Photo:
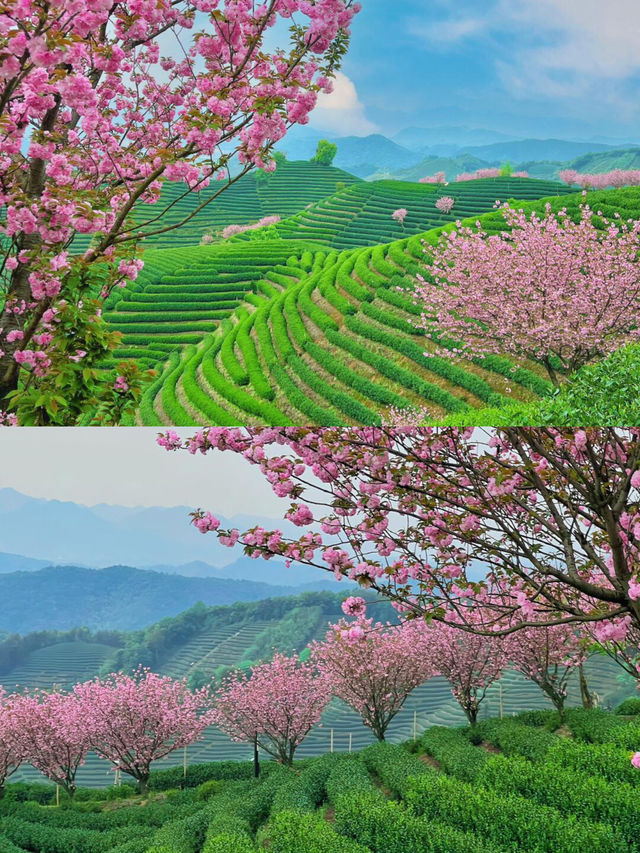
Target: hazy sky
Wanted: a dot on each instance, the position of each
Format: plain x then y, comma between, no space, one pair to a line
531,67
125,466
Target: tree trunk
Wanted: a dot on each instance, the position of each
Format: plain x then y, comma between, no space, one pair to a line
557,698
143,785
587,698
472,714
2,790
256,758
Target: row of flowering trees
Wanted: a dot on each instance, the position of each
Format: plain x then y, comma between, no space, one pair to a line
601,180
135,720
129,720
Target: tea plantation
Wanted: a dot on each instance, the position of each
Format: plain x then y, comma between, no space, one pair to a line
518,784
223,643
292,324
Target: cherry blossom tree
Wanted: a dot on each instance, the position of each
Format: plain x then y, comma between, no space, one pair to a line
134,720
12,750
443,521
400,215
601,180
445,204
373,667
54,735
547,656
274,707
546,288
470,663
438,178
100,102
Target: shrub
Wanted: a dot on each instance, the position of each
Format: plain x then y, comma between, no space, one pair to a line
515,738
508,820
393,765
588,797
386,827
209,789
630,707
293,832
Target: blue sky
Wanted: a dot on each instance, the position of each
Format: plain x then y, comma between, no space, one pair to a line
539,68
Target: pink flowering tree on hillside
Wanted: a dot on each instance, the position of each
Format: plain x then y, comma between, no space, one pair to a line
12,749
134,720
441,522
400,215
548,656
546,288
445,204
274,707
471,663
94,116
373,668
54,734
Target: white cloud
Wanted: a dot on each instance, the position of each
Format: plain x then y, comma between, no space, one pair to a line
448,32
590,39
342,111
556,49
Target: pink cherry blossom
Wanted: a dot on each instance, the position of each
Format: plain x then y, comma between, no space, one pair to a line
134,720
275,706
545,288
95,117
373,668
444,521
445,204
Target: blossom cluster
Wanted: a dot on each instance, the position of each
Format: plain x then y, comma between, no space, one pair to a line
479,174
545,288
95,118
601,180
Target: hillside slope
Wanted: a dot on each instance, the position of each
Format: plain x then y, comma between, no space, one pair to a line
334,342
118,597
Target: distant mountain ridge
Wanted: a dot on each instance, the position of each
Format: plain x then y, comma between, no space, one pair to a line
119,597
64,532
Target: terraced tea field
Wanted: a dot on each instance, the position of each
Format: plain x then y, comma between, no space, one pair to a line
521,784
281,331
289,189
360,215
430,704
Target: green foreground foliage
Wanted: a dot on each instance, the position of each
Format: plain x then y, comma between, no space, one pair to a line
516,784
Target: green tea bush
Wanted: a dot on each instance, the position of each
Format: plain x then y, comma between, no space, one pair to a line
393,765
508,820
296,832
162,780
588,797
209,789
386,827
453,751
348,776
515,738
630,707
596,726
605,760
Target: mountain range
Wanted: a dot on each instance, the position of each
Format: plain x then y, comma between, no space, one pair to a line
64,532
415,152
120,597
